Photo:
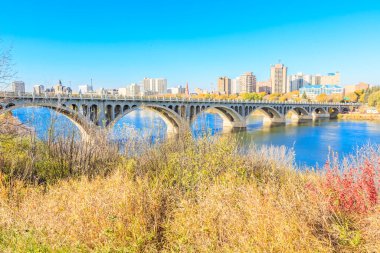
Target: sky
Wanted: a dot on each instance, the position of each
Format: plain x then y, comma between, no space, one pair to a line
116,42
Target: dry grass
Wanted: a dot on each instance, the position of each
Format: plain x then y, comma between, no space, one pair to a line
182,196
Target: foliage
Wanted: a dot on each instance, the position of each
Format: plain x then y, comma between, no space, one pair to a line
374,99
183,195
252,96
322,98
354,190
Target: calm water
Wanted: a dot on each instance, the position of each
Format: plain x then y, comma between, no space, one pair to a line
311,141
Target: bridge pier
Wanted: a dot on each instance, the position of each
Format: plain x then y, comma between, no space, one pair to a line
320,116
301,118
273,121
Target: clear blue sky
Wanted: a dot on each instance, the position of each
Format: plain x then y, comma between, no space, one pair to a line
118,42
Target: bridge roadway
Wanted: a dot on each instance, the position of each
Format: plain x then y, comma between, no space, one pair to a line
178,113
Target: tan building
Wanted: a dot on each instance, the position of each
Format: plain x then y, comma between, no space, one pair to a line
247,82
330,78
278,78
58,88
264,86
200,91
352,88
224,85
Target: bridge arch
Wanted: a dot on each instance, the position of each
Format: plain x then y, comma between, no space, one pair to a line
333,111
85,126
270,114
172,120
230,117
297,113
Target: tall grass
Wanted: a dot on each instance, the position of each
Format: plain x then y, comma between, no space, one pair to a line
181,195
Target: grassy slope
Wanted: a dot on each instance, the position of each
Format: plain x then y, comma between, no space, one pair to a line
182,196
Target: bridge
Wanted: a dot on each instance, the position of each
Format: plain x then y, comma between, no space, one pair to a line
91,112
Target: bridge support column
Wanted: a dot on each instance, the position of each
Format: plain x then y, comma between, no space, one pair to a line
274,121
320,116
102,120
301,118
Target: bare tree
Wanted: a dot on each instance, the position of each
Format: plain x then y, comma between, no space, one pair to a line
6,66
7,124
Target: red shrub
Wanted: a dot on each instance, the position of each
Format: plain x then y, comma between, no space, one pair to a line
352,190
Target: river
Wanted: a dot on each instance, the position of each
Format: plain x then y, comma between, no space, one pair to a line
311,141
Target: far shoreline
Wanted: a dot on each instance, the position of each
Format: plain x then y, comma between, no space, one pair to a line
359,116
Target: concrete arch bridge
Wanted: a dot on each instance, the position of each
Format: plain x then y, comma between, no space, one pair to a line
92,112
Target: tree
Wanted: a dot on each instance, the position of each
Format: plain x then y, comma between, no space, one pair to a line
374,99
6,67
7,123
322,97
353,97
304,96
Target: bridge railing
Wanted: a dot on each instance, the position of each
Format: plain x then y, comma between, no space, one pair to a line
12,95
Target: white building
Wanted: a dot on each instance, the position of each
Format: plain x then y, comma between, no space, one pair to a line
297,81
132,90
18,87
177,90
312,91
38,89
83,89
155,85
235,85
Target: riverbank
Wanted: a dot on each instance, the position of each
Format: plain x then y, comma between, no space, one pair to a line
359,116
183,195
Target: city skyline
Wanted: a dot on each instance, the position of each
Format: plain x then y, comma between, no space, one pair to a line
119,44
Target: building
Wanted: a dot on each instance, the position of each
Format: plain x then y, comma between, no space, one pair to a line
200,91
153,86
235,85
331,78
247,82
224,85
297,81
352,88
132,90
58,88
177,90
84,89
18,87
264,86
38,90
312,91
278,78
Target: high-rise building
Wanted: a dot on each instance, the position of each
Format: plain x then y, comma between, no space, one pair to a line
38,90
131,90
83,89
235,85
247,82
134,89
278,78
224,85
177,90
154,85
58,88
331,78
297,81
18,87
